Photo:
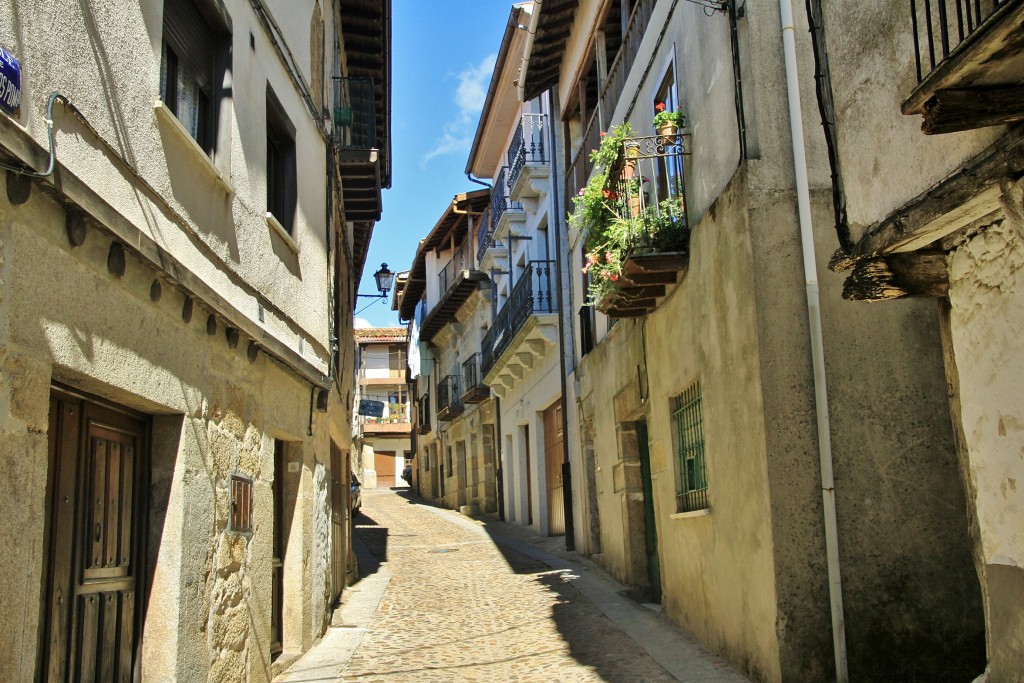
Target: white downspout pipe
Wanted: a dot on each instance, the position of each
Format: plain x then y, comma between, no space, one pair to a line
828,499
524,63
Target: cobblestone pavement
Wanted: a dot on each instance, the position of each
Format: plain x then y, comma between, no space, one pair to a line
459,607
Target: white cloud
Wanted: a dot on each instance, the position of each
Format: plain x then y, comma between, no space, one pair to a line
362,323
470,93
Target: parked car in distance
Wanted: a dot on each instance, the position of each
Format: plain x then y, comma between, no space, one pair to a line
355,495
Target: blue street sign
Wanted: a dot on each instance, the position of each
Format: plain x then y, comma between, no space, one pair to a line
371,408
10,82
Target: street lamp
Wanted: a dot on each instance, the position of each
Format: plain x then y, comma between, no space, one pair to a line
384,278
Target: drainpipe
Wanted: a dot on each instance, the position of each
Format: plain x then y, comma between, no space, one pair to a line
835,588
563,329
531,31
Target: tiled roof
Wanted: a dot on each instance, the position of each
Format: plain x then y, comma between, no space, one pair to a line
367,335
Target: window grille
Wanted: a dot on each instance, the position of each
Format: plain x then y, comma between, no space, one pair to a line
241,504
688,435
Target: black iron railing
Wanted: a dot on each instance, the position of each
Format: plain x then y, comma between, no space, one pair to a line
484,236
534,293
459,262
527,145
355,121
648,187
471,377
448,393
940,26
500,201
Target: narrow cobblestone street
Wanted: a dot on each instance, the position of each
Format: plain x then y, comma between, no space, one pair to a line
467,601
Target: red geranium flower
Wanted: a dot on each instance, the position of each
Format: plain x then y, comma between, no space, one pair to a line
660,106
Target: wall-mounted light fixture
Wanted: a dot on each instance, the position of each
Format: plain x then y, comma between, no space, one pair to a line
384,278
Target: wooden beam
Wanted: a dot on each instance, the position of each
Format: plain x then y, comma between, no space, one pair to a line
949,111
655,263
958,200
897,276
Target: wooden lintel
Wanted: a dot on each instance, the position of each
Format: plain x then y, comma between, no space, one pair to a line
950,111
896,276
628,312
972,191
654,263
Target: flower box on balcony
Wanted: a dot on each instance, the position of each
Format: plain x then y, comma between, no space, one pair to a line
633,213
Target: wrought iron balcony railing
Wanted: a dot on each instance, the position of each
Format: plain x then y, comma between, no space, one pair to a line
940,26
448,397
354,113
648,186
484,236
533,294
527,145
500,200
473,388
471,372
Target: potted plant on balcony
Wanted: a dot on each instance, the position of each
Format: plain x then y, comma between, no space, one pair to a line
394,411
667,123
617,223
655,229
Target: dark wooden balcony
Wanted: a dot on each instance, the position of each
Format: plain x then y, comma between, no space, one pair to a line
358,154
457,281
970,63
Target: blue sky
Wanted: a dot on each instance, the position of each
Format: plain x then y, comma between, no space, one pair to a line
442,61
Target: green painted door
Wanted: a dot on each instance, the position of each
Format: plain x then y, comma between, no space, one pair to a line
653,567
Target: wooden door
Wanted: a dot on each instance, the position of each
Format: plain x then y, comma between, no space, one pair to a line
277,561
98,456
650,529
384,464
339,520
553,457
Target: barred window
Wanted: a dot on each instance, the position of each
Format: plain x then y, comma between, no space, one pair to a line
688,439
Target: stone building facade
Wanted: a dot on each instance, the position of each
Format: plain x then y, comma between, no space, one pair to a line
173,408
518,246
382,444
918,99
446,299
703,425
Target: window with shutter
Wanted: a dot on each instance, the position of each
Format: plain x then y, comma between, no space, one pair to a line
191,68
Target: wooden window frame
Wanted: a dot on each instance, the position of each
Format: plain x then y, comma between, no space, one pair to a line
282,165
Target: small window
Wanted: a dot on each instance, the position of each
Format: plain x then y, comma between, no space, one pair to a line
688,439
241,504
448,460
282,194
192,64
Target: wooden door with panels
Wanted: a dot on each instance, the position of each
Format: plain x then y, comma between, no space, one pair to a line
92,609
